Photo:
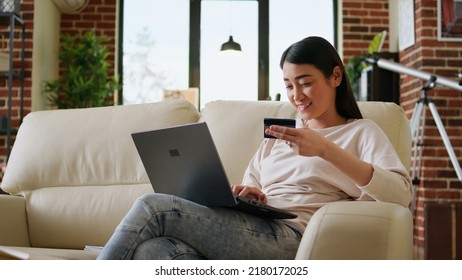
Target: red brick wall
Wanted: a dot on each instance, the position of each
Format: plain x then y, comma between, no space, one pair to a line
438,182
361,21
99,15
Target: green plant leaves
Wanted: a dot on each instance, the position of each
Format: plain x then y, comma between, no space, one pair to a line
377,42
84,80
356,64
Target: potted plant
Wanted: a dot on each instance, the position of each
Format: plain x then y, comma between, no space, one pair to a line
84,80
356,64
353,70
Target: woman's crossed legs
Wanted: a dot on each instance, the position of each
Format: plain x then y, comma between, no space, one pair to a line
161,226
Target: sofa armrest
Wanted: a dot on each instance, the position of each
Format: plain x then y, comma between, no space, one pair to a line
13,221
358,230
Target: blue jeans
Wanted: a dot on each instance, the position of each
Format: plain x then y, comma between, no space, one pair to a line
166,227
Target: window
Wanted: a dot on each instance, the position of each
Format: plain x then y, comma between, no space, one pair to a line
155,48
159,54
291,21
232,77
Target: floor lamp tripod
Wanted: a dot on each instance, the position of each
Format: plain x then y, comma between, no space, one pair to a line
417,122
417,132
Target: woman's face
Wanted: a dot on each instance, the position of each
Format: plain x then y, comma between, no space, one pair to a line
311,93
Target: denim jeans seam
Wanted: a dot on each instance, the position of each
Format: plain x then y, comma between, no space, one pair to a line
180,253
293,233
153,214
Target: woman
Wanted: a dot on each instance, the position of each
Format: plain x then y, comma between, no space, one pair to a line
333,155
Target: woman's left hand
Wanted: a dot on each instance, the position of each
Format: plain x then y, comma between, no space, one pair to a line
304,141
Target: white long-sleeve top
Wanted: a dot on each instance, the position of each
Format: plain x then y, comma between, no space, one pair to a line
302,184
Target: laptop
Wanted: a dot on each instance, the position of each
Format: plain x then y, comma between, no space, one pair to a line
183,161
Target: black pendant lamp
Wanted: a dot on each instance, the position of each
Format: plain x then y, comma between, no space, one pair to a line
231,45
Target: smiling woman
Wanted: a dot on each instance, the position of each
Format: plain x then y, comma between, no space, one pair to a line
153,59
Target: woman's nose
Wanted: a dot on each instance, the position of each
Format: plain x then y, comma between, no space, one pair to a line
298,93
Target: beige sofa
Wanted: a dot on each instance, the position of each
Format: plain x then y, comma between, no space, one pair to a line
73,174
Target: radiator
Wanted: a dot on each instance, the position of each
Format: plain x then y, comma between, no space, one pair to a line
443,230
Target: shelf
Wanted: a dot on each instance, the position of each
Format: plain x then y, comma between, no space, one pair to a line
5,18
10,21
4,132
6,74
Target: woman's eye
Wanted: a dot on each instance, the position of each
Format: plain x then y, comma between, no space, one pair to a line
305,84
289,86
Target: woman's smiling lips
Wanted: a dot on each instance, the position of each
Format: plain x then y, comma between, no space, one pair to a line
302,107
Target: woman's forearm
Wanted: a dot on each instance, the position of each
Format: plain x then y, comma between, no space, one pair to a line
359,171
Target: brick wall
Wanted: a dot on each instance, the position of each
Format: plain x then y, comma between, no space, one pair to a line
438,181
99,15
361,21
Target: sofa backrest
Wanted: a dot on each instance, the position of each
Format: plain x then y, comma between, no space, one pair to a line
86,147
393,121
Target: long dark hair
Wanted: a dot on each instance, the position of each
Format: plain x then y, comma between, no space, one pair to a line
321,54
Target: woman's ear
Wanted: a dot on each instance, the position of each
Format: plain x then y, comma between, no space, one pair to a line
337,75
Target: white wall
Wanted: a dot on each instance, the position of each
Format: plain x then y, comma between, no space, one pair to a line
393,33
45,64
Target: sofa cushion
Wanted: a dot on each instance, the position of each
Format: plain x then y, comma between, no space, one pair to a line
86,147
30,253
13,221
78,216
384,230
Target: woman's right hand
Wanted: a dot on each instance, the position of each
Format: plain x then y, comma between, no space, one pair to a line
249,191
